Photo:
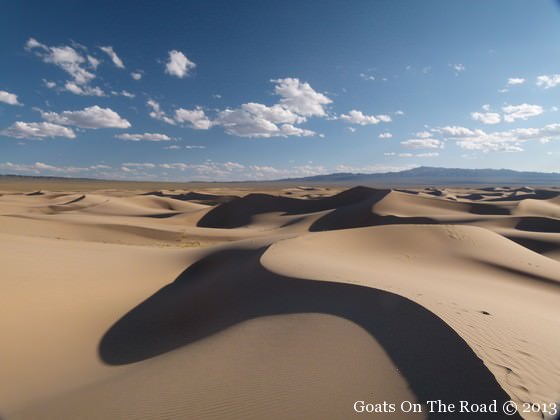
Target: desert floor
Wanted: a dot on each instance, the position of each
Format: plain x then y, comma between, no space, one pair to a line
274,302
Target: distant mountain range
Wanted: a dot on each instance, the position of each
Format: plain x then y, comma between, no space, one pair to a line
426,175
421,176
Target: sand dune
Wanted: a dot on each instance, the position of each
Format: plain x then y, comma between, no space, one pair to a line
222,303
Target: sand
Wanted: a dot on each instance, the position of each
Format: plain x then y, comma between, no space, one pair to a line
245,302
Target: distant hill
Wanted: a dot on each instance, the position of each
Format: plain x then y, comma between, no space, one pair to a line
425,175
421,176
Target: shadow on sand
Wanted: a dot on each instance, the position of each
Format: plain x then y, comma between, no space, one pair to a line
229,287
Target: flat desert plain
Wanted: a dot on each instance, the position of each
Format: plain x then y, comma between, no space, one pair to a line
265,302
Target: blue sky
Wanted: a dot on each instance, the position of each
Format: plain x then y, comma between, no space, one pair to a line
223,90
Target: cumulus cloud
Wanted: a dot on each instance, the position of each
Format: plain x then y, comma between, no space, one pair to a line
244,122
64,57
298,101
136,75
178,64
37,130
548,81
522,112
512,81
196,118
92,117
300,98
358,117
145,136
508,141
8,98
423,134
425,143
486,117
113,55
385,135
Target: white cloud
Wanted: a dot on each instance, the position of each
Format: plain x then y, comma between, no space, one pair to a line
459,68
512,81
113,55
178,166
49,84
93,62
64,57
92,117
385,135
136,75
298,101
276,114
172,147
508,141
8,98
358,117
157,113
254,120
33,43
427,155
425,143
367,77
399,112
523,112
37,130
127,94
416,155
351,129
423,134
190,146
300,98
178,65
243,122
486,117
145,136
196,118
83,90
40,167
548,81
140,165
455,131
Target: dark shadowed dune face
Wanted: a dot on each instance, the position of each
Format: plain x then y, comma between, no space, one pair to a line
202,198
539,224
230,287
239,212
